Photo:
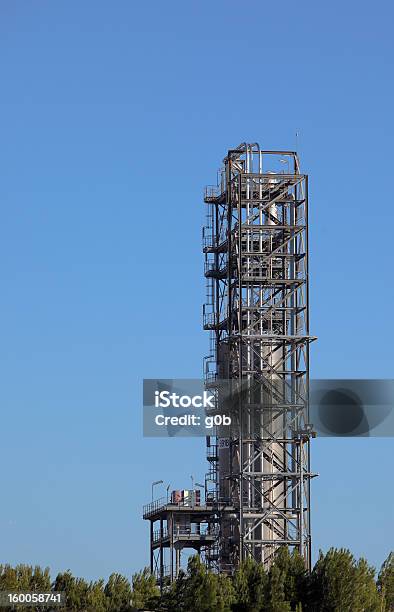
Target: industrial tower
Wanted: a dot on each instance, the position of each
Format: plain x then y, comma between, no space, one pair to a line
257,311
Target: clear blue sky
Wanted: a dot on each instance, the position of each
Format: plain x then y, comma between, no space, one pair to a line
114,115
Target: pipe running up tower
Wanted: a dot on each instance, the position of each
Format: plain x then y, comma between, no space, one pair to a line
257,311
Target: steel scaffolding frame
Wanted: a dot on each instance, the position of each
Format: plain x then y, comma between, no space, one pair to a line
175,528
257,311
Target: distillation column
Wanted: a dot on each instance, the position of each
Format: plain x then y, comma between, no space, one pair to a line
256,249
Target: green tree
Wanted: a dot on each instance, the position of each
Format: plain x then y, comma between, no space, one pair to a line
386,582
118,593
76,591
64,581
25,578
339,583
96,599
24,574
276,600
294,575
250,586
173,596
333,581
366,595
199,588
145,592
40,580
225,595
8,578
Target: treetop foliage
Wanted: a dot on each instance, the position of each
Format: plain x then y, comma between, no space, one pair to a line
337,583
